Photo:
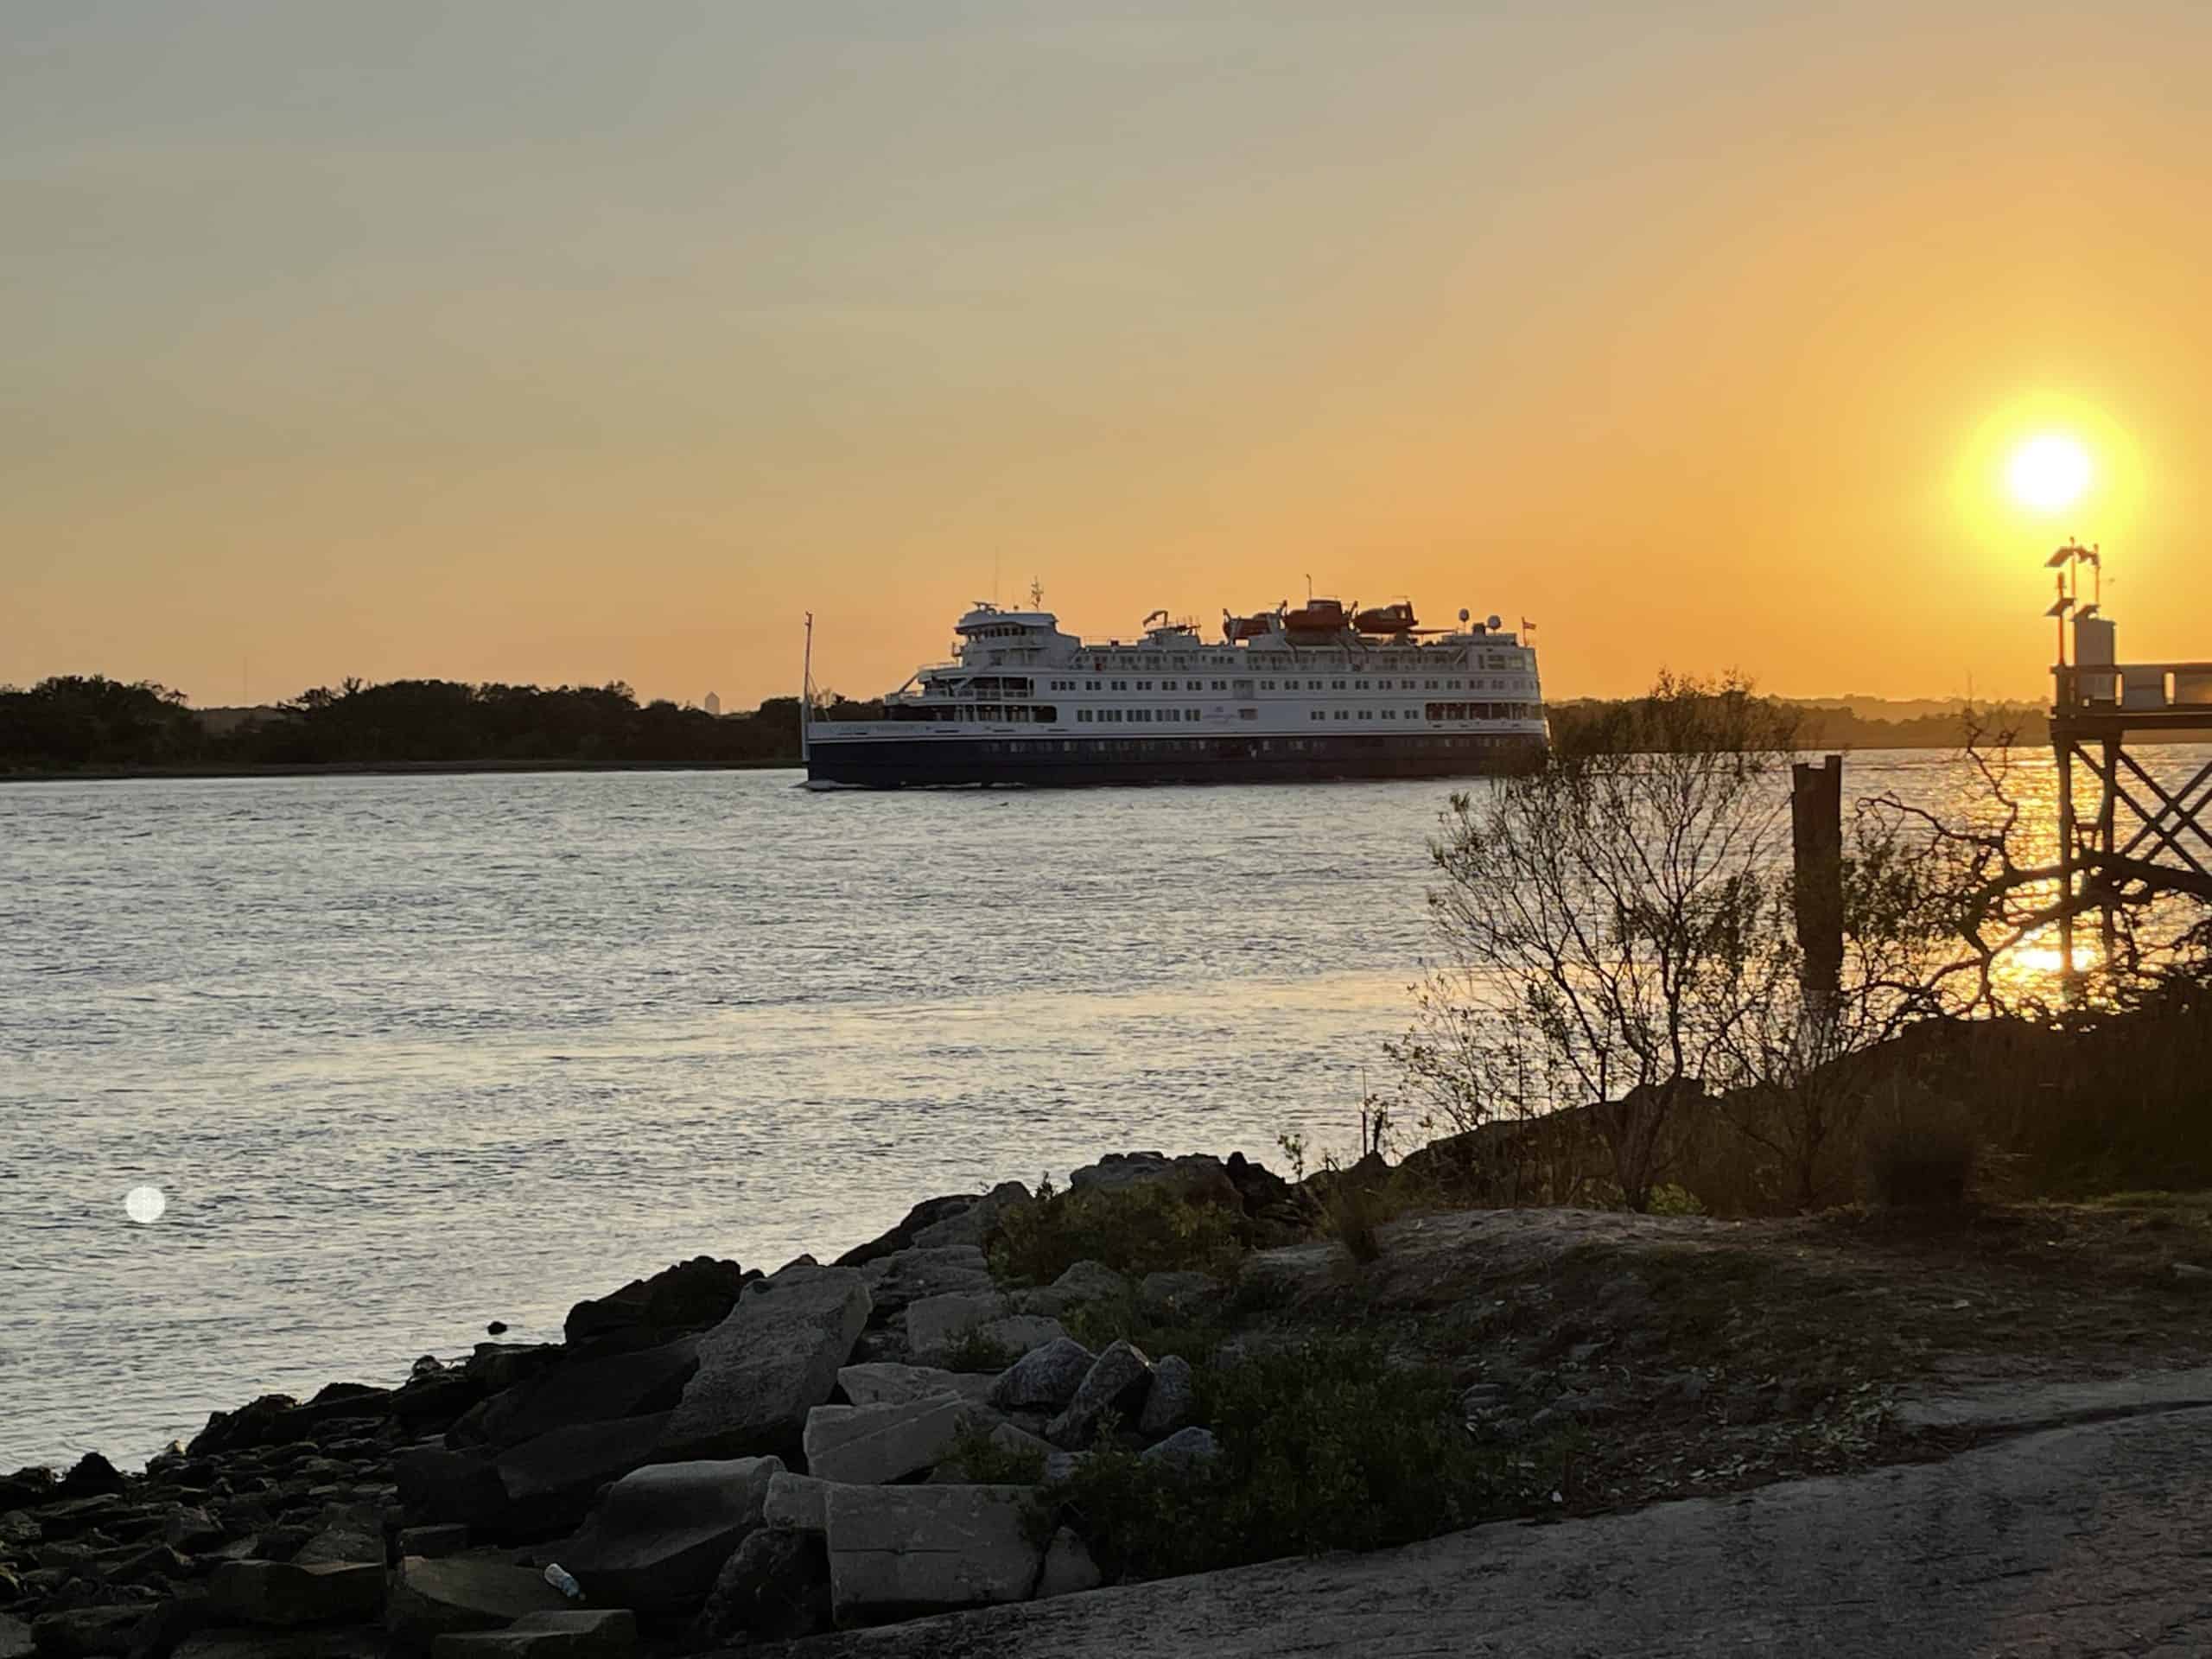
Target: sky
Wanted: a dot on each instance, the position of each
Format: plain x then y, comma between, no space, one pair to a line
563,342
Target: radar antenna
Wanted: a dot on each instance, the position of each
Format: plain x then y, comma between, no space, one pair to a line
1036,593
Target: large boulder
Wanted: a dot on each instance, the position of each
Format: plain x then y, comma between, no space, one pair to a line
688,1295
1186,1451
90,1632
1085,1281
774,1588
869,1445
632,1384
1117,1382
430,1598
661,1535
436,1485
899,1551
1068,1569
766,1366
1198,1177
229,1642
1044,1378
91,1475
937,1325
975,1224
893,1281
886,1382
796,1503
902,1237
287,1592
551,1481
350,1532
1170,1401
572,1633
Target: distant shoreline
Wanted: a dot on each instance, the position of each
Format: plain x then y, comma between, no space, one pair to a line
378,768
788,763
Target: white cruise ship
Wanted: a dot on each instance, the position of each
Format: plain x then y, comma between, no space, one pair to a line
1323,690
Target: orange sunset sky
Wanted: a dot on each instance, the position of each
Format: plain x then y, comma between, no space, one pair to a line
555,342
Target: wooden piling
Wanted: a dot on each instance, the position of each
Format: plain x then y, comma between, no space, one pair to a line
1816,835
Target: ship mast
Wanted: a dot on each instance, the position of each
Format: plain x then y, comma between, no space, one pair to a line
806,689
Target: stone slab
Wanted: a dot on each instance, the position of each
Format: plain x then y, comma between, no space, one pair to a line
573,1633
766,1366
896,1551
882,1383
288,1592
430,1598
662,1534
796,1503
870,1445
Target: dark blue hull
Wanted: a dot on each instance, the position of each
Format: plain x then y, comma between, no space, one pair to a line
927,762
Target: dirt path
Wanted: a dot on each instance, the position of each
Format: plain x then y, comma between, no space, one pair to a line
2091,1539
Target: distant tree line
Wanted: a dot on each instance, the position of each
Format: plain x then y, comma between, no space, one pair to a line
91,722
1820,726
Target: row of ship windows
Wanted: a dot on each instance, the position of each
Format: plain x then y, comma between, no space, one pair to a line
1099,746
1434,711
1108,665
1273,685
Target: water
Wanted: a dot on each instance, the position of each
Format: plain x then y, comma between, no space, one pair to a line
408,1054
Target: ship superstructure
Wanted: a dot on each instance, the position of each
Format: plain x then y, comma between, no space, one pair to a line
1321,690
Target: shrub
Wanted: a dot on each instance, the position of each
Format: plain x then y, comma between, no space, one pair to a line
984,1461
1325,1446
976,1350
1919,1152
1356,1211
1149,1228
1196,1335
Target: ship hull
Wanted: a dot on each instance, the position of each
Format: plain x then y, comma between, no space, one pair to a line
940,762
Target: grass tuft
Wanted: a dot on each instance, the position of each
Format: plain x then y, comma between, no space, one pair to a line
1149,1228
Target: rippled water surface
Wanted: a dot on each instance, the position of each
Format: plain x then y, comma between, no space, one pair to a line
407,1054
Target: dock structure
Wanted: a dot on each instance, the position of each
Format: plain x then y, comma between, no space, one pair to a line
2123,836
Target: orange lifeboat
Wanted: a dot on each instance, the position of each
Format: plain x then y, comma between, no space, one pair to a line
1318,616
1234,628
1387,618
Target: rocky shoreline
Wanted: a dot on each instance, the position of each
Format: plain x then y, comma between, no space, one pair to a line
712,1457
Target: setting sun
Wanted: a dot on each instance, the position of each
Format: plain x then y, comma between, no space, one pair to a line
2049,472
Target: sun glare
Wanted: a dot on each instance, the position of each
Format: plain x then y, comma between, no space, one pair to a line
2048,474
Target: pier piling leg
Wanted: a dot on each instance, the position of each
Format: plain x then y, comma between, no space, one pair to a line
1816,836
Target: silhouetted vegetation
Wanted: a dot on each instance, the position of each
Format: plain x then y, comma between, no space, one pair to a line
75,723
1331,1443
1816,727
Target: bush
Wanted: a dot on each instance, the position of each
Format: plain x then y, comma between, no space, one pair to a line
1325,1446
1149,1228
976,1350
1920,1153
1196,1335
1356,1211
985,1461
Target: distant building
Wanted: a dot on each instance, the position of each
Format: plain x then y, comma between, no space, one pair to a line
713,704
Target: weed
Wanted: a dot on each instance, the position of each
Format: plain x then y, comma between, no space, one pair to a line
984,1461
976,1350
1196,1335
1329,1445
1920,1153
1148,1228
